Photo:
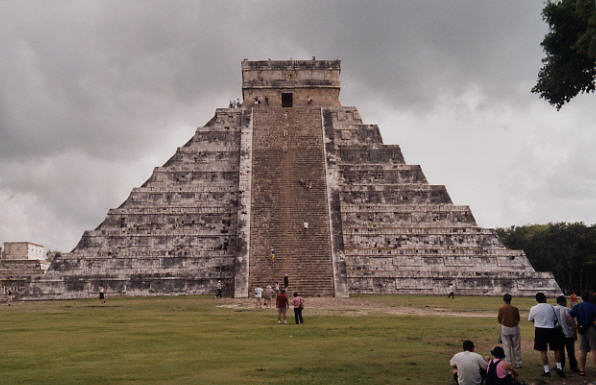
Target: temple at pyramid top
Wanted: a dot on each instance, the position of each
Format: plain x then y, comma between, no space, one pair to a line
288,184
289,83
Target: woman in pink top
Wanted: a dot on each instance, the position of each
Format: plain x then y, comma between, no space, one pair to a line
298,303
498,370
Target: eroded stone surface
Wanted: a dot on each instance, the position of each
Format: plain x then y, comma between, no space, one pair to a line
342,211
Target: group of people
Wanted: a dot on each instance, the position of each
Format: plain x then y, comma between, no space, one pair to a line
555,328
235,103
282,302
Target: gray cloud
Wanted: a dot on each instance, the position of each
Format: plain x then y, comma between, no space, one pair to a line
96,94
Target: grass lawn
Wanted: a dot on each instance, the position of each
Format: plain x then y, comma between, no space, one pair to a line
190,340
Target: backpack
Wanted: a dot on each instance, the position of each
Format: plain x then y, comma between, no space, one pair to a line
491,375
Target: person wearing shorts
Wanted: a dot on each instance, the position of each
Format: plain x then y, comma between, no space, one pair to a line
102,294
545,334
282,304
585,313
259,297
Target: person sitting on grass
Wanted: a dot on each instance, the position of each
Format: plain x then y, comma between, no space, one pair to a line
499,371
470,367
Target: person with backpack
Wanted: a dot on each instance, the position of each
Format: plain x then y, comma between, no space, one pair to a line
585,313
546,334
499,371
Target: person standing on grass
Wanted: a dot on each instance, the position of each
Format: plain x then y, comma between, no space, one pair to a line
102,294
508,317
298,303
585,313
282,304
268,295
259,297
545,335
569,335
469,366
451,291
219,288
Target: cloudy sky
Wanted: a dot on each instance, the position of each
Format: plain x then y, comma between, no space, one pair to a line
94,95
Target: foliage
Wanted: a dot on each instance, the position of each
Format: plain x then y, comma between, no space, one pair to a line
566,249
570,47
52,254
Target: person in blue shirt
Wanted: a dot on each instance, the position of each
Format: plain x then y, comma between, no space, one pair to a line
585,314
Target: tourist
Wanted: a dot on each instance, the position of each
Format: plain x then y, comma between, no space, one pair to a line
102,294
286,281
585,313
499,371
470,367
238,104
309,101
451,291
508,317
282,304
231,105
267,100
276,288
569,336
572,299
219,289
268,296
259,297
9,297
298,303
545,335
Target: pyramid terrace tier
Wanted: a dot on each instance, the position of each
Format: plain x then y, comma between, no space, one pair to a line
383,266
370,174
365,217
208,222
394,194
414,237
198,156
357,134
372,154
437,283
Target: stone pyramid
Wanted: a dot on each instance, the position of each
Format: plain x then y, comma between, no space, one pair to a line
290,183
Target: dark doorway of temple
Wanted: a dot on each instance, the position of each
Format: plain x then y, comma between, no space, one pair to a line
286,100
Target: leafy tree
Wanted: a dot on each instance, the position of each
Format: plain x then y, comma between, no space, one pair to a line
52,254
566,249
570,46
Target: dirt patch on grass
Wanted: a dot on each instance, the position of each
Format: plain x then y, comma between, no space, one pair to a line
352,307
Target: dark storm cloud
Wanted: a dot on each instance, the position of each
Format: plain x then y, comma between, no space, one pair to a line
95,94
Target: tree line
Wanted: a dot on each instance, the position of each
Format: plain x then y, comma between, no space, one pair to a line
566,249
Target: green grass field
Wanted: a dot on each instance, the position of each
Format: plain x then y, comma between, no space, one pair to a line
189,340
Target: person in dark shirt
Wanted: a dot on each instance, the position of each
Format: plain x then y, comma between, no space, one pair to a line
585,313
286,281
282,304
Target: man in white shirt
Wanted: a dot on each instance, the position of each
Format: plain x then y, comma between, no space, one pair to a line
259,296
470,366
545,334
